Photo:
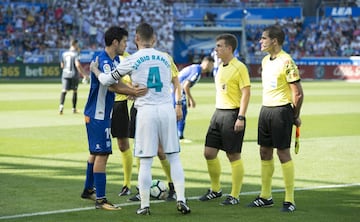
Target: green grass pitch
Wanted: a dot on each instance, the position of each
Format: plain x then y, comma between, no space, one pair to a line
43,157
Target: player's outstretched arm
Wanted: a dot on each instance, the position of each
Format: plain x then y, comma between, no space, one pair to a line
123,88
104,79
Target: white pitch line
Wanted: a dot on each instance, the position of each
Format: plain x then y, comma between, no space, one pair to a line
159,201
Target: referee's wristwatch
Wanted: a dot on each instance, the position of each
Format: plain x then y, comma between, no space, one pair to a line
240,117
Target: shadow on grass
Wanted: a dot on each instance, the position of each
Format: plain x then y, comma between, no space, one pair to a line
40,187
330,205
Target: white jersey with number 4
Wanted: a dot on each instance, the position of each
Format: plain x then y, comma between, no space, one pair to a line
156,117
150,68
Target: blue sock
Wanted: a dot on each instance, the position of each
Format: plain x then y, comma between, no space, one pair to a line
181,123
89,180
100,184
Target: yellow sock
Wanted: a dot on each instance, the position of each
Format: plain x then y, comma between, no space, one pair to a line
127,161
267,171
214,170
289,177
237,175
166,167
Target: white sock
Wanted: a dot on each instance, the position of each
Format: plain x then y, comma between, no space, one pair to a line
144,181
177,175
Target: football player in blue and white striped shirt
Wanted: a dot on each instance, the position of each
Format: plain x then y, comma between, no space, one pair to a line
98,116
188,77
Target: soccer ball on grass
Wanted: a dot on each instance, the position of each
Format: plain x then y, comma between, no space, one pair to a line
158,189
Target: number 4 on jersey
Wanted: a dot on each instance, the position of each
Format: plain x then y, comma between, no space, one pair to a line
154,80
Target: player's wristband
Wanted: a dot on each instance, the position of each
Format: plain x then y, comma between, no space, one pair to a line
240,117
178,103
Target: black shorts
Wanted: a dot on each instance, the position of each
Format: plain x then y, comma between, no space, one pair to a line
70,83
120,120
221,134
133,112
275,126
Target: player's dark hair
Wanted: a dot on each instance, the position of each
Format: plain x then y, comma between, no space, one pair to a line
208,58
113,33
145,31
73,42
276,32
230,40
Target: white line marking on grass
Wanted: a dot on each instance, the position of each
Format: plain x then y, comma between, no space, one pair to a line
160,201
70,210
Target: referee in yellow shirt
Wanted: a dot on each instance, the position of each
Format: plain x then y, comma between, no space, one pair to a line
281,104
120,131
227,126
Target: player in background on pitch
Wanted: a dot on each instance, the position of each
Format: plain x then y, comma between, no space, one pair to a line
188,77
98,117
71,70
155,111
281,103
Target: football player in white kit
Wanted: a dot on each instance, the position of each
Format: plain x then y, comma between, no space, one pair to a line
156,116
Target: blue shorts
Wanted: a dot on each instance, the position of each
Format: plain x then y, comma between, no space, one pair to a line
99,138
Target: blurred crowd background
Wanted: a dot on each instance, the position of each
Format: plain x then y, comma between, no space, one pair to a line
29,31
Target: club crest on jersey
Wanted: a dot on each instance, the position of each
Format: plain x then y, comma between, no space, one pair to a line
107,68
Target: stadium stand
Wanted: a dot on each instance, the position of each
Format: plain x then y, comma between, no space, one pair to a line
35,32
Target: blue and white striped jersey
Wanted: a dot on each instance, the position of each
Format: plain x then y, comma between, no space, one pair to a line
100,101
190,73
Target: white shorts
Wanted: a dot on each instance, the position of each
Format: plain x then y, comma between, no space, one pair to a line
156,124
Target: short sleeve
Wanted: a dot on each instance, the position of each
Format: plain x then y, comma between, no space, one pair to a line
291,71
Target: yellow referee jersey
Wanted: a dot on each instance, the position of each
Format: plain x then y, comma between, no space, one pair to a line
126,79
174,69
276,76
229,81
